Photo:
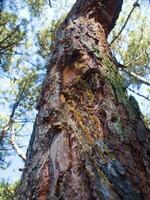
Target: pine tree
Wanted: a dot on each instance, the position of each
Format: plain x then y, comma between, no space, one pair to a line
89,140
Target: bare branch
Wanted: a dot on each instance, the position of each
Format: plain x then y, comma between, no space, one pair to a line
49,2
137,77
8,125
136,4
134,60
138,94
5,75
11,149
15,146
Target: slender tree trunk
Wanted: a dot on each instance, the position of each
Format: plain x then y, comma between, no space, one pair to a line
89,141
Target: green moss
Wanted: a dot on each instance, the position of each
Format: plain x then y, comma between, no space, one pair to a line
97,52
119,127
112,75
115,79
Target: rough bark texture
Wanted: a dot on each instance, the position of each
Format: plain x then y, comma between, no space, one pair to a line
89,141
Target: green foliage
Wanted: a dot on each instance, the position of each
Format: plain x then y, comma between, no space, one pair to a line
47,36
147,120
7,191
35,6
21,78
10,37
132,46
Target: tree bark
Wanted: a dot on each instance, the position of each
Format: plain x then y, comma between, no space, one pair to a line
89,141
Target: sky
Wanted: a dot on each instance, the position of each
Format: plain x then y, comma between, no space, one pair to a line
12,173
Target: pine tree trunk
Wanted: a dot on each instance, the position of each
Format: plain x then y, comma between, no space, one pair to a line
89,141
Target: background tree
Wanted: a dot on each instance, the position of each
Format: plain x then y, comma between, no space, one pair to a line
20,76
10,37
7,191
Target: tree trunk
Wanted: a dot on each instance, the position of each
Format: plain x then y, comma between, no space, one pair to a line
89,141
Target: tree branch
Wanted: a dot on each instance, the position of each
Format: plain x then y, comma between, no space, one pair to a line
136,4
8,125
11,34
49,2
5,75
14,145
10,193
137,93
4,130
137,77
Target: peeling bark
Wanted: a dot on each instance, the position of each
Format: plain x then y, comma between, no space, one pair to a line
89,141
